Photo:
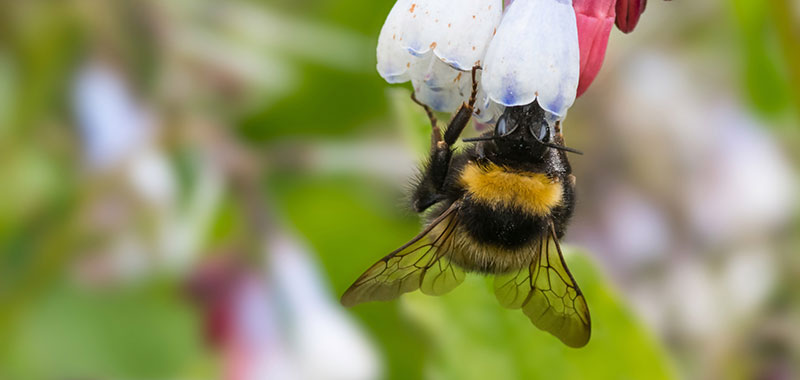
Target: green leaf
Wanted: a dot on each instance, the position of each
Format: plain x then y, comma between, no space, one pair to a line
474,338
121,333
764,70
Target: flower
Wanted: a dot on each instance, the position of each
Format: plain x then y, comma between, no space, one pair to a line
594,19
545,50
113,124
433,44
628,12
279,323
534,55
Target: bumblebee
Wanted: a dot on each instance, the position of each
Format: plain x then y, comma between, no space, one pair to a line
497,207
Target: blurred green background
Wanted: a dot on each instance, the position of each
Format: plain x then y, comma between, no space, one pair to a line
188,186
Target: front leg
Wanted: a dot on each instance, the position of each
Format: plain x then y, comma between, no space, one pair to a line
430,188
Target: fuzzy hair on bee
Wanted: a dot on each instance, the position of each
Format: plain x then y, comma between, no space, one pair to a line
497,207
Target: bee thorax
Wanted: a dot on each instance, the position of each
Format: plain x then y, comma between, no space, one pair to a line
532,193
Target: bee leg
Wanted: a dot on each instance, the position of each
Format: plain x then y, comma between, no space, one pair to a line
460,120
430,188
558,136
436,134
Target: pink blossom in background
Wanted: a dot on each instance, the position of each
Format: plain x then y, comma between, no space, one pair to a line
279,322
595,19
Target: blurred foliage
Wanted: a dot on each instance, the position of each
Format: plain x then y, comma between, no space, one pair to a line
349,229
141,332
335,96
328,100
468,326
766,69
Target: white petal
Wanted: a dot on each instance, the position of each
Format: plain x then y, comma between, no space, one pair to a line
394,60
446,89
487,111
466,28
439,85
534,55
458,31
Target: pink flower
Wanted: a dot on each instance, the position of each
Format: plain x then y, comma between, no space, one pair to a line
628,12
594,19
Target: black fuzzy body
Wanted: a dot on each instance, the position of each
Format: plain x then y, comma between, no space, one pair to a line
501,236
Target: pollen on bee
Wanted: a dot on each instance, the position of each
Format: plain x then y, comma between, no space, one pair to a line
536,193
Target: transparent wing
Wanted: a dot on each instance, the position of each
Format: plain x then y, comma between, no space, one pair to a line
548,294
420,264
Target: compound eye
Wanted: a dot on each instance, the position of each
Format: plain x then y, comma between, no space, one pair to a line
503,128
541,131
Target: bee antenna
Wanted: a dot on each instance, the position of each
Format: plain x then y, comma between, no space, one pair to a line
480,138
561,147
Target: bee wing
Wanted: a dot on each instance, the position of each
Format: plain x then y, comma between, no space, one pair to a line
548,294
419,264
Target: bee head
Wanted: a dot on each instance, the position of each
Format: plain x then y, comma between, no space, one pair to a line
523,131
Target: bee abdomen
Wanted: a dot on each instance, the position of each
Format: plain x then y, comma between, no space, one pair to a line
504,227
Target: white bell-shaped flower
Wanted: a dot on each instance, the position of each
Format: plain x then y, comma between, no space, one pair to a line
435,43
534,55
529,52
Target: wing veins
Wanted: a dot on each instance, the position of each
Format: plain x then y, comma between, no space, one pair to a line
549,303
391,276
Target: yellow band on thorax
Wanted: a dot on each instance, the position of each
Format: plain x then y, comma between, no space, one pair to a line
533,192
